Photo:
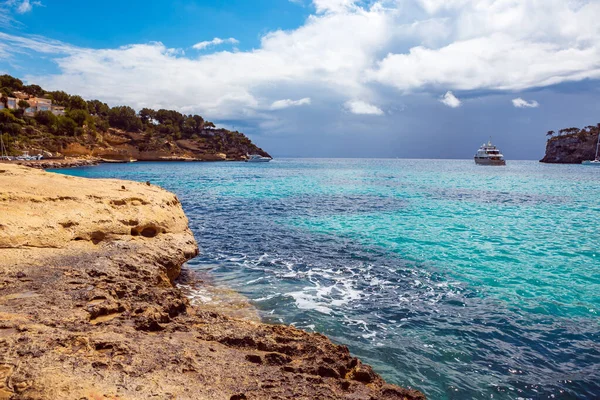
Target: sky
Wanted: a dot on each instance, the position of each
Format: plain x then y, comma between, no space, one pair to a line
327,78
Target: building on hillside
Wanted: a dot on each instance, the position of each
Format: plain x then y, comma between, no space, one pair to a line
58,110
41,104
11,103
36,104
21,95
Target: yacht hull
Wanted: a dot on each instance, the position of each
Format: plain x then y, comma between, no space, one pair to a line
487,161
594,163
260,160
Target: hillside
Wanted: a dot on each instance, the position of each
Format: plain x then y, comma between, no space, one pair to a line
57,124
571,145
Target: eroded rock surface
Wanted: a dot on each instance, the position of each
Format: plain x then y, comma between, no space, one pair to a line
570,149
88,309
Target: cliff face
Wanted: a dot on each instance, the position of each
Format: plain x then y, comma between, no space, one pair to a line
570,149
88,309
116,144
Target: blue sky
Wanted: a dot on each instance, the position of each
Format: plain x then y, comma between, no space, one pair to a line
327,78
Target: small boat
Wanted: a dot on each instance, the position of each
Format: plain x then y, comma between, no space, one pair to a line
596,160
257,158
488,154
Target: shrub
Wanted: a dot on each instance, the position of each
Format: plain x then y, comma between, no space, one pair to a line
125,118
79,116
10,128
7,116
66,126
45,118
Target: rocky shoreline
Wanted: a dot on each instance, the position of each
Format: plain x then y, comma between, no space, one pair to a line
74,162
88,308
55,163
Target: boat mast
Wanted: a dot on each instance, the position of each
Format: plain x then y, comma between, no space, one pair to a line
3,152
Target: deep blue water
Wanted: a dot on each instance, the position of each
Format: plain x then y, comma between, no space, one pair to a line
461,281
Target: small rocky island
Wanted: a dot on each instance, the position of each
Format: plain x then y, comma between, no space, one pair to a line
89,309
56,125
571,145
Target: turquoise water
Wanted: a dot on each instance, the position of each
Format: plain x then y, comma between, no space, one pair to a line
459,280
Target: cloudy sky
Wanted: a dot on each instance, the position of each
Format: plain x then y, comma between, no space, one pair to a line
327,78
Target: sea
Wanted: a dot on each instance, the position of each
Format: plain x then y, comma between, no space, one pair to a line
462,281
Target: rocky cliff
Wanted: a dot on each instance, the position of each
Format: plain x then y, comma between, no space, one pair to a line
571,149
81,127
88,309
117,144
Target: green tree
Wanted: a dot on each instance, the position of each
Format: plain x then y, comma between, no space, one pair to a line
11,83
101,123
6,92
79,116
66,126
171,117
125,118
550,133
46,118
77,103
11,128
7,116
190,126
33,90
147,115
60,98
22,104
199,123
96,107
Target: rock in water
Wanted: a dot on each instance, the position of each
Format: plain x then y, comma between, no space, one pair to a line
88,309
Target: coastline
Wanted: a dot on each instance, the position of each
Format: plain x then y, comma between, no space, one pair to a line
67,162
75,162
88,308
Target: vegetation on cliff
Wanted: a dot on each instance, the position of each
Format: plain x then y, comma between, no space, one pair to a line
589,130
93,128
571,145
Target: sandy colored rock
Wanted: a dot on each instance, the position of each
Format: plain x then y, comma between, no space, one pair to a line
88,309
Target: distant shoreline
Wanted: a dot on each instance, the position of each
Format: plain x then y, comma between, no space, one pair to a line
88,162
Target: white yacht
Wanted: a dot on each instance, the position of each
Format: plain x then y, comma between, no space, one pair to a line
488,154
596,160
257,158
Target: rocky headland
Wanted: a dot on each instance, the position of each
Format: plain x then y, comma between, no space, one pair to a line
571,148
57,124
89,310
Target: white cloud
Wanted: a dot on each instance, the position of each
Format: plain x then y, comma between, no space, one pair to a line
24,7
498,44
349,50
9,7
214,42
281,104
323,6
520,103
450,100
362,108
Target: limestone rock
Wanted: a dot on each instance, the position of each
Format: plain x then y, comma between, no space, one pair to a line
570,149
